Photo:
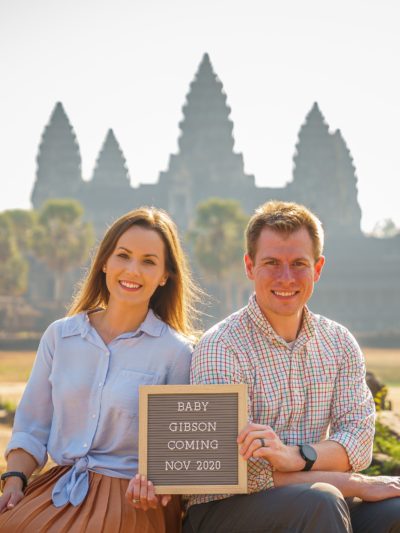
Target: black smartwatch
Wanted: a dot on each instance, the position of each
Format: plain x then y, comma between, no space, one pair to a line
309,455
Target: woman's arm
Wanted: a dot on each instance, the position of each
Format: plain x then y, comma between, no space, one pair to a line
18,461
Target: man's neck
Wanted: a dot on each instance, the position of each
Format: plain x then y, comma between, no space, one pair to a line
287,327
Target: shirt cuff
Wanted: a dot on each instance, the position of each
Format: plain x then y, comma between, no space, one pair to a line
358,453
30,444
260,476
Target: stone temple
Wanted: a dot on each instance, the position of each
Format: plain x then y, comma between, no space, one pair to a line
360,286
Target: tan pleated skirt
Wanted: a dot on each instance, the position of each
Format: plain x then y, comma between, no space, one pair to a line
103,510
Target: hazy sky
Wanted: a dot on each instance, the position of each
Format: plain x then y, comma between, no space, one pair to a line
127,64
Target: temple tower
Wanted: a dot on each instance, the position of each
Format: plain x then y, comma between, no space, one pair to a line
206,164
324,177
58,162
109,193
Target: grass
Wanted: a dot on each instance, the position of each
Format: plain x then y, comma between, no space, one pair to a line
15,366
385,363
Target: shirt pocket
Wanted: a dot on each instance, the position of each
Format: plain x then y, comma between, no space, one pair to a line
126,389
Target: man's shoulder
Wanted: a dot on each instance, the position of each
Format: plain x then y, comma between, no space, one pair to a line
328,328
226,330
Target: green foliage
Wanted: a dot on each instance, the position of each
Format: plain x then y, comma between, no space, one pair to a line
386,443
22,222
217,236
13,267
61,240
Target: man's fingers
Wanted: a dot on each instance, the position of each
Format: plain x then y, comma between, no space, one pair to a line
253,440
249,428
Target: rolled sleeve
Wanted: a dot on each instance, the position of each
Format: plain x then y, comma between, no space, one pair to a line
353,409
34,413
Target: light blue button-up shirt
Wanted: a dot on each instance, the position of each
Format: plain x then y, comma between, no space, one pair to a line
81,401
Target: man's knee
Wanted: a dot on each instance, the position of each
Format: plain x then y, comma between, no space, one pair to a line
326,508
325,492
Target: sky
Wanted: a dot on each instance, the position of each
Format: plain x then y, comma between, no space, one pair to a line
127,65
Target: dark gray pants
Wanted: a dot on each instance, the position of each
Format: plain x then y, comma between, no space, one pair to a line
307,508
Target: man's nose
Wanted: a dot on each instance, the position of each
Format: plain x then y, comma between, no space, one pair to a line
286,273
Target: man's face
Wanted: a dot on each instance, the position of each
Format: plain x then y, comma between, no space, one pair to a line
284,272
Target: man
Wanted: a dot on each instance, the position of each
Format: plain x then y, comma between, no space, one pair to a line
311,415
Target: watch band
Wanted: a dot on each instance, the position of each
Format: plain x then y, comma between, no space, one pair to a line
309,455
6,475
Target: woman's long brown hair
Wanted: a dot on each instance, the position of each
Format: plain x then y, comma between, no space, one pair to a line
173,302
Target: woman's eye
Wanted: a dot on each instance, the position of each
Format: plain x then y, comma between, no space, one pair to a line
149,262
123,255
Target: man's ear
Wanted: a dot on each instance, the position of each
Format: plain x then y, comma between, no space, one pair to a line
318,268
248,263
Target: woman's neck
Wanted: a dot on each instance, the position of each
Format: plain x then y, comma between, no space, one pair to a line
114,321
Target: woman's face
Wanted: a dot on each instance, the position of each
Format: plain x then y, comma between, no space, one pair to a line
136,268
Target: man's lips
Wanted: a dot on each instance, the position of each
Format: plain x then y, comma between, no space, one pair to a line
285,294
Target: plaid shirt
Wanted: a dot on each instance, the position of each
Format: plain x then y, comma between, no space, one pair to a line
307,392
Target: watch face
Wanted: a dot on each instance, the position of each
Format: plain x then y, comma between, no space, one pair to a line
309,453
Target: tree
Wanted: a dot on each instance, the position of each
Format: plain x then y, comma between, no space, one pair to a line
13,267
385,229
61,240
217,238
22,222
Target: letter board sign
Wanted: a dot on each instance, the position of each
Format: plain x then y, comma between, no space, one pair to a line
187,438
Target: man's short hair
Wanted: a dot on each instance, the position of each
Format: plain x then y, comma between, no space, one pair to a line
284,217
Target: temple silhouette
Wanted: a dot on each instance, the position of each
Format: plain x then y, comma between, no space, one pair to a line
360,286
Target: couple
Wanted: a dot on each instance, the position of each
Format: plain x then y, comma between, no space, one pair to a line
131,324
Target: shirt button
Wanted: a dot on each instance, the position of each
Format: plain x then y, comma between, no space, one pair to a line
85,445
100,384
93,415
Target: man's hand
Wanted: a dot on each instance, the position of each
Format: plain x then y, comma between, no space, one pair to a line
141,494
258,440
376,488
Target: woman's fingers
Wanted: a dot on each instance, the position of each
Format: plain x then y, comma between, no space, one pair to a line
10,499
165,499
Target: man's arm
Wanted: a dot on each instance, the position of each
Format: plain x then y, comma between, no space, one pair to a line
368,488
353,408
260,441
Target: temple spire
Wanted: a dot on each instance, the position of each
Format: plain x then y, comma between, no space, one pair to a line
206,160
111,169
324,175
58,162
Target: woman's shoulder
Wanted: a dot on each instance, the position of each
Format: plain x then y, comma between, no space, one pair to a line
67,326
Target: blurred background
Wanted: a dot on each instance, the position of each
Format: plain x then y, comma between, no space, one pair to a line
206,110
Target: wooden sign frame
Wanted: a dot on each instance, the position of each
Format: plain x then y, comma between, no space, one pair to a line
146,391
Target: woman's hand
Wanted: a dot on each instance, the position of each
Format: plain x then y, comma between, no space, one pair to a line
12,494
141,494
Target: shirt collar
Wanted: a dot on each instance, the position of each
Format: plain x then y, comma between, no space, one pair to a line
256,315
80,325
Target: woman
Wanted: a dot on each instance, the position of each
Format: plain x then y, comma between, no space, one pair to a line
129,325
